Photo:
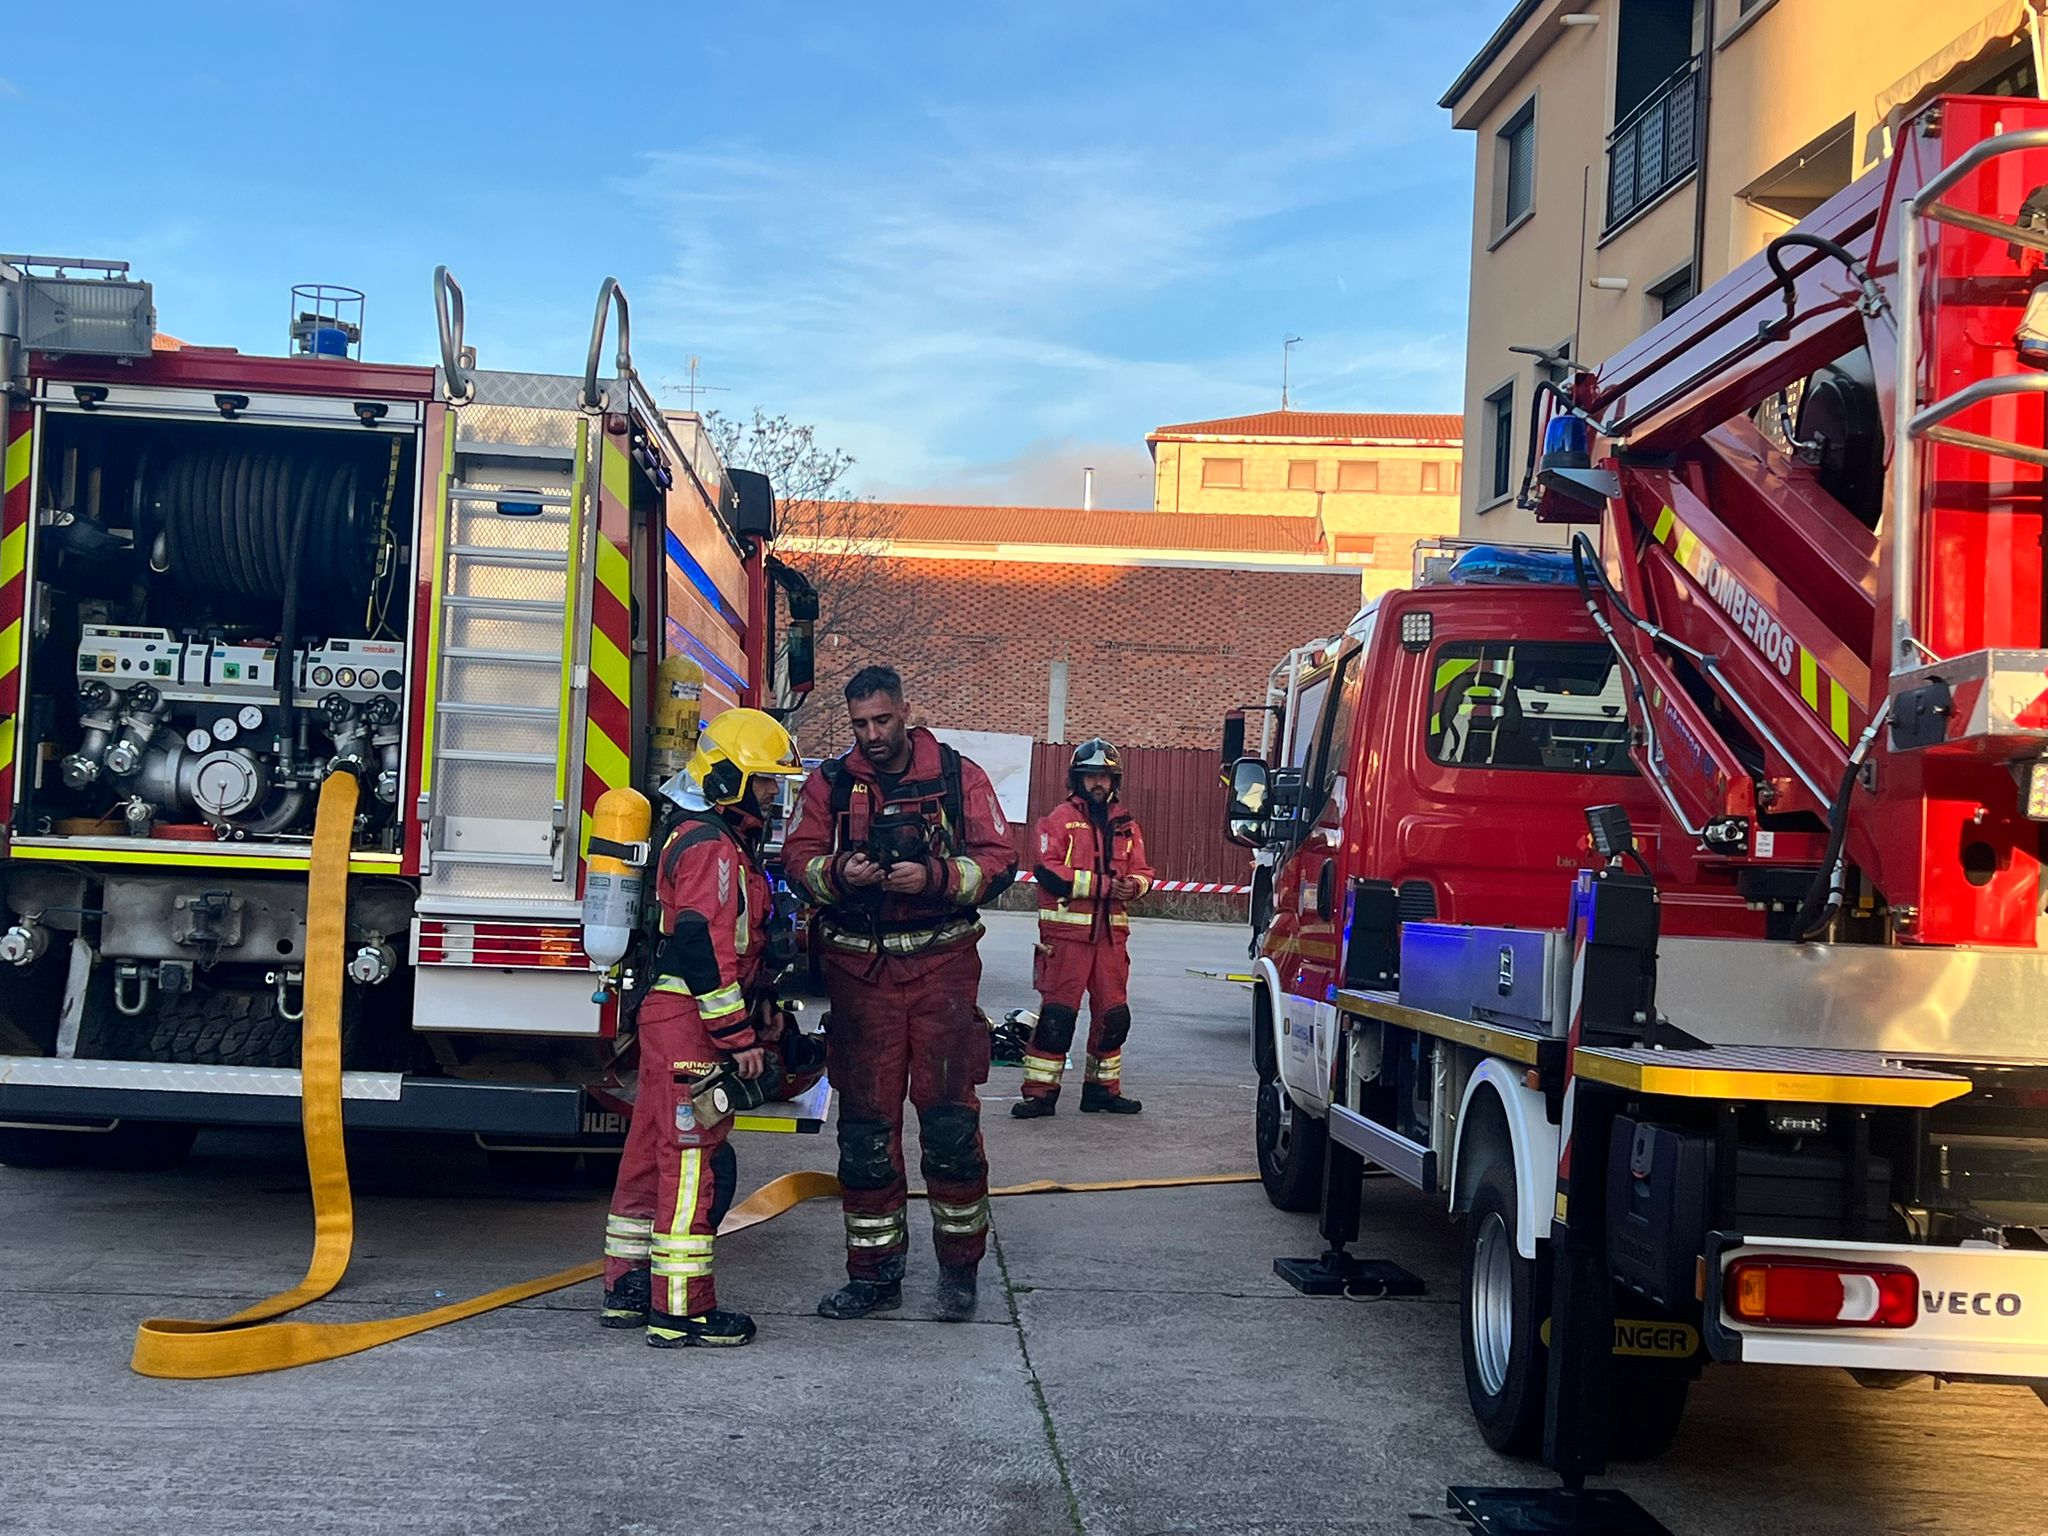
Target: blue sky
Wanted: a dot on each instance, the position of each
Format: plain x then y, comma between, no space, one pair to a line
977,247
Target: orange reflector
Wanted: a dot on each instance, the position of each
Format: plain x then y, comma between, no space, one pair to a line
1817,1293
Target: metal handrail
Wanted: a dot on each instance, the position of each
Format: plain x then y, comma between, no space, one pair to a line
447,298
1909,425
1656,94
608,293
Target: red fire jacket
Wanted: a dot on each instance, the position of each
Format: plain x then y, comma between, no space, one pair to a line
1079,854
715,904
971,863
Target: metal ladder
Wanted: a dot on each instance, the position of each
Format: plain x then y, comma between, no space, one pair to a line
503,743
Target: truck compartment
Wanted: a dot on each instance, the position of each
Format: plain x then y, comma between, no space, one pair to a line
218,619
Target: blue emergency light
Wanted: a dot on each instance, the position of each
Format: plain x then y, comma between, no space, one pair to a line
1567,443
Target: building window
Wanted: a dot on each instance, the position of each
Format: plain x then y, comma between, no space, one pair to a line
1301,475
1354,548
1358,475
1514,169
1671,295
1223,474
1498,419
1655,142
1432,479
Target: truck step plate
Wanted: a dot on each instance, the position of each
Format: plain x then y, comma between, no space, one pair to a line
1753,1072
1552,1512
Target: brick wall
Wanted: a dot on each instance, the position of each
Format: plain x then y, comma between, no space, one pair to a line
1154,655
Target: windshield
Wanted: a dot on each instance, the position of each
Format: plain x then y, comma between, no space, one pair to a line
1543,704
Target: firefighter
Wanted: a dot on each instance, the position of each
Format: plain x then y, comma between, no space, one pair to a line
898,843
676,1175
1091,861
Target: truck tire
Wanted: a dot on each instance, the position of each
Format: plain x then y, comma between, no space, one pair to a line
1501,1303
21,1147
1292,1145
1643,1413
213,1029
144,1146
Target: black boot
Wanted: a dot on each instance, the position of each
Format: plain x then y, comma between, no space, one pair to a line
716,1329
1035,1109
955,1298
859,1298
625,1304
1098,1100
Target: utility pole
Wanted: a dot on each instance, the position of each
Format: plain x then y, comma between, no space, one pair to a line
1286,356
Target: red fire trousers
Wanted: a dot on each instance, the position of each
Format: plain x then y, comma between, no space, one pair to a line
908,1024
1063,972
675,1178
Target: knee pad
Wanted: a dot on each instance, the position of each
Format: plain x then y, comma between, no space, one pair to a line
1116,1027
864,1154
1055,1031
951,1135
725,1171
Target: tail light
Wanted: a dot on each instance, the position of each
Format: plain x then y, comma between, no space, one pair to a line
1811,1293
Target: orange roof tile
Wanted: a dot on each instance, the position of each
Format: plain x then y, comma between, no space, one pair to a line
1102,528
1325,426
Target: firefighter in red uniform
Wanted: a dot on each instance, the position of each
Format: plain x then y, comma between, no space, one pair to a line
1091,861
898,842
676,1175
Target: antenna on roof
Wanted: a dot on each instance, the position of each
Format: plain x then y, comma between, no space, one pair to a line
1286,351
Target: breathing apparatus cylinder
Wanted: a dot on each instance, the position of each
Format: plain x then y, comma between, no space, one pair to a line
678,715
611,892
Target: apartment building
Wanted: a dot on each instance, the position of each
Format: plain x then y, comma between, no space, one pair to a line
1375,481
1629,153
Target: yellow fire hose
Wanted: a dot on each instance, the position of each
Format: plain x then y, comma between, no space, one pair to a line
252,1341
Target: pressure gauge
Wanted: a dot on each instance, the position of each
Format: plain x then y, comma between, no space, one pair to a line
250,716
198,740
225,729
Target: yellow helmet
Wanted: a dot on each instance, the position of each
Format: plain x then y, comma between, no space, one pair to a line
735,746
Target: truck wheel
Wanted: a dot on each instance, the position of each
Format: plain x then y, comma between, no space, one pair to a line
1500,1305
144,1146
24,1148
1292,1147
1643,1414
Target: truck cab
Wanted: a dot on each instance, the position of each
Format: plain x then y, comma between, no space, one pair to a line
1466,726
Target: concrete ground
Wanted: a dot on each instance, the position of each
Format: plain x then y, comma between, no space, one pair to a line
1136,1369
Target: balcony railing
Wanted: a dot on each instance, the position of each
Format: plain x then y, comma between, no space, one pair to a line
1656,146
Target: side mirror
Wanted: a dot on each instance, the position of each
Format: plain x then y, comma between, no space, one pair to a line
1233,741
800,658
1248,819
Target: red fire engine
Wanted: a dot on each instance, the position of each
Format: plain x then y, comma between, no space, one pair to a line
1671,905
491,596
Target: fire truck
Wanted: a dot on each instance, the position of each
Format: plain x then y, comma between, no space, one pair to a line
491,596
1670,905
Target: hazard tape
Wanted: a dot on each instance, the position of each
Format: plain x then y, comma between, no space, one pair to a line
1187,887
254,1340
